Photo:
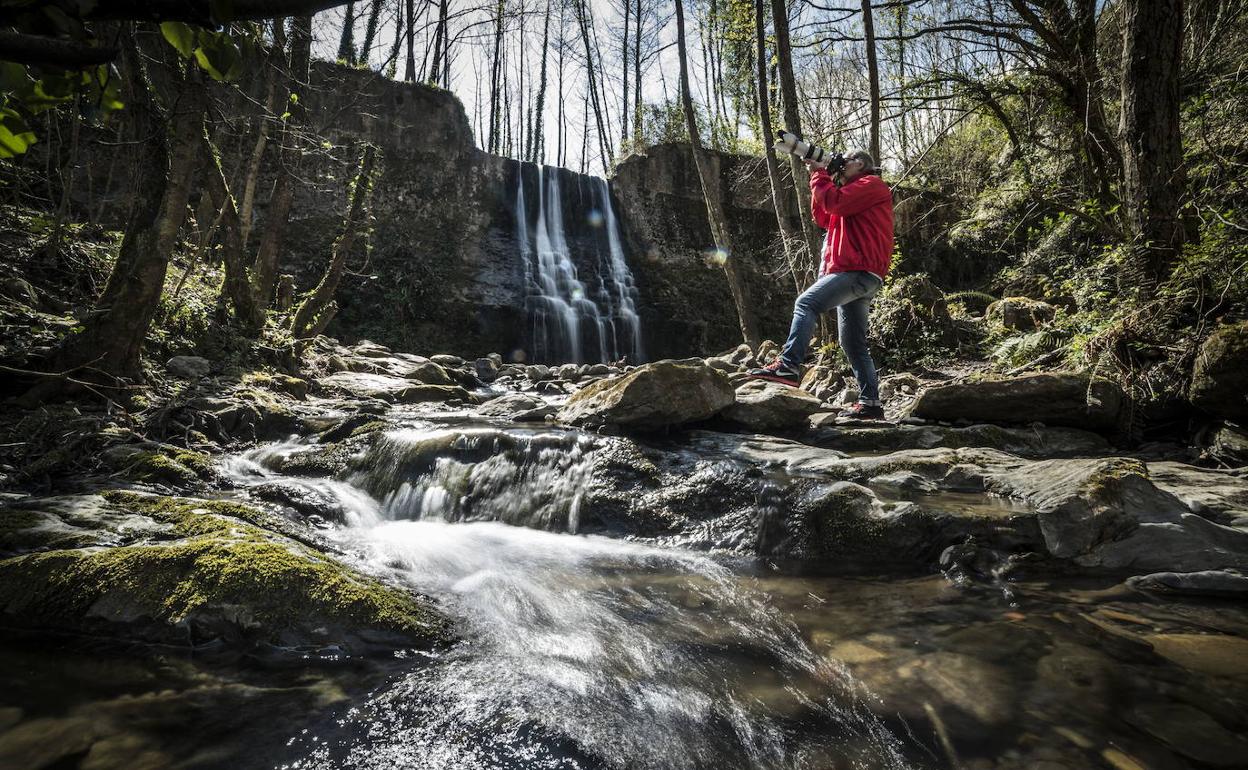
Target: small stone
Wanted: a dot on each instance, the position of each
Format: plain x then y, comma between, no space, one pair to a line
486,369
1191,732
188,367
1212,654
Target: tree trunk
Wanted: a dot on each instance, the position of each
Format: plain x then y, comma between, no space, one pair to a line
439,45
628,9
370,32
537,154
409,72
1152,151
346,44
109,346
793,122
252,178
873,76
314,312
495,79
710,191
604,142
236,288
790,236
637,125
264,269
392,61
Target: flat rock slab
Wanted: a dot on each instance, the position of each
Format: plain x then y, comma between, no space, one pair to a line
391,388
1065,399
652,397
825,431
762,406
1218,495
1222,584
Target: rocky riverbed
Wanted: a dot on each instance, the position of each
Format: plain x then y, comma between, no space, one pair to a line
527,559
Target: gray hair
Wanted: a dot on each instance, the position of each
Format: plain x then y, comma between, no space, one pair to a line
868,164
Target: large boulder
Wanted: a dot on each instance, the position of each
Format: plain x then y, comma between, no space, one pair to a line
764,406
201,570
387,387
1057,398
1219,377
652,397
885,437
1021,313
188,367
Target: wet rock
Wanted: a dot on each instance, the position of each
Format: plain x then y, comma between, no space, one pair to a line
1218,495
159,464
302,499
537,372
763,406
1025,442
599,370
1219,377
215,573
443,359
392,389
1051,398
1225,584
654,396
48,742
188,367
1190,732
510,404
247,414
428,373
352,425
981,690
1229,445
486,369
1020,313
1211,654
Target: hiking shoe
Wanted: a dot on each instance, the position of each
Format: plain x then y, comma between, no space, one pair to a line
861,411
778,371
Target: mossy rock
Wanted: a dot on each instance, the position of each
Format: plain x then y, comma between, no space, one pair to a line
212,574
1219,377
160,464
278,383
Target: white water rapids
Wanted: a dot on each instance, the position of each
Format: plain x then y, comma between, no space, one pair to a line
577,651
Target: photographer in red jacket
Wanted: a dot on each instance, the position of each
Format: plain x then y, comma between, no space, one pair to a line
856,208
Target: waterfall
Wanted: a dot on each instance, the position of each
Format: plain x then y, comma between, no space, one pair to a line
566,323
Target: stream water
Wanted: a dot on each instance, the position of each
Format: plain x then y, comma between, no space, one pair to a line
583,651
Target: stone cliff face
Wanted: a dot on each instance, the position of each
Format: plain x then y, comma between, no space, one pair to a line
445,270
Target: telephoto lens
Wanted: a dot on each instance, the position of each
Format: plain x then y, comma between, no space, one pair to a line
792,143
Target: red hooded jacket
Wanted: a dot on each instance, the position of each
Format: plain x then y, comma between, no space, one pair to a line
859,221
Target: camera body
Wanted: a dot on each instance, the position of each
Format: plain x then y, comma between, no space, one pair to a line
792,143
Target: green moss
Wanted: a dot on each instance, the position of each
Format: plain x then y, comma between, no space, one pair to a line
155,466
369,427
199,462
223,573
279,383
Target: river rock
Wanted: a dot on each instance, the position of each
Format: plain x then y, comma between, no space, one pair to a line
822,382
1217,495
304,499
1026,442
428,373
510,404
393,389
245,414
188,367
370,349
1229,445
537,372
1020,313
443,359
763,406
1191,732
654,396
486,369
1056,398
1219,377
1224,584
1211,654
213,572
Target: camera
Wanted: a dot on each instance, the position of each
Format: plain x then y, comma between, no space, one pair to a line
792,143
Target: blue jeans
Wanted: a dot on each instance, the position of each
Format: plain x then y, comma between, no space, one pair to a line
850,293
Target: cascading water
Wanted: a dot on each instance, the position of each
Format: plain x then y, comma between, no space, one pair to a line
579,651
568,323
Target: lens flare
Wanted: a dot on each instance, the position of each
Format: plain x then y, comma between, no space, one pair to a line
715,257
595,218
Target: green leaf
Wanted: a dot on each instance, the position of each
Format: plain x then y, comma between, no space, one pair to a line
15,136
180,36
13,77
219,56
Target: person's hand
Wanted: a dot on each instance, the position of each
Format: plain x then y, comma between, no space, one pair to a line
815,165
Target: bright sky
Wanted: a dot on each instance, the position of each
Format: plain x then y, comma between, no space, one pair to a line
472,47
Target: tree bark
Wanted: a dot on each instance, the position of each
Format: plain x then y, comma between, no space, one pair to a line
1152,147
264,270
710,191
873,76
604,142
346,44
790,236
495,78
793,121
537,154
637,124
409,72
370,31
111,341
311,316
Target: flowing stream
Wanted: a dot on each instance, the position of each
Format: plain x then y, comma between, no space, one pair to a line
581,651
